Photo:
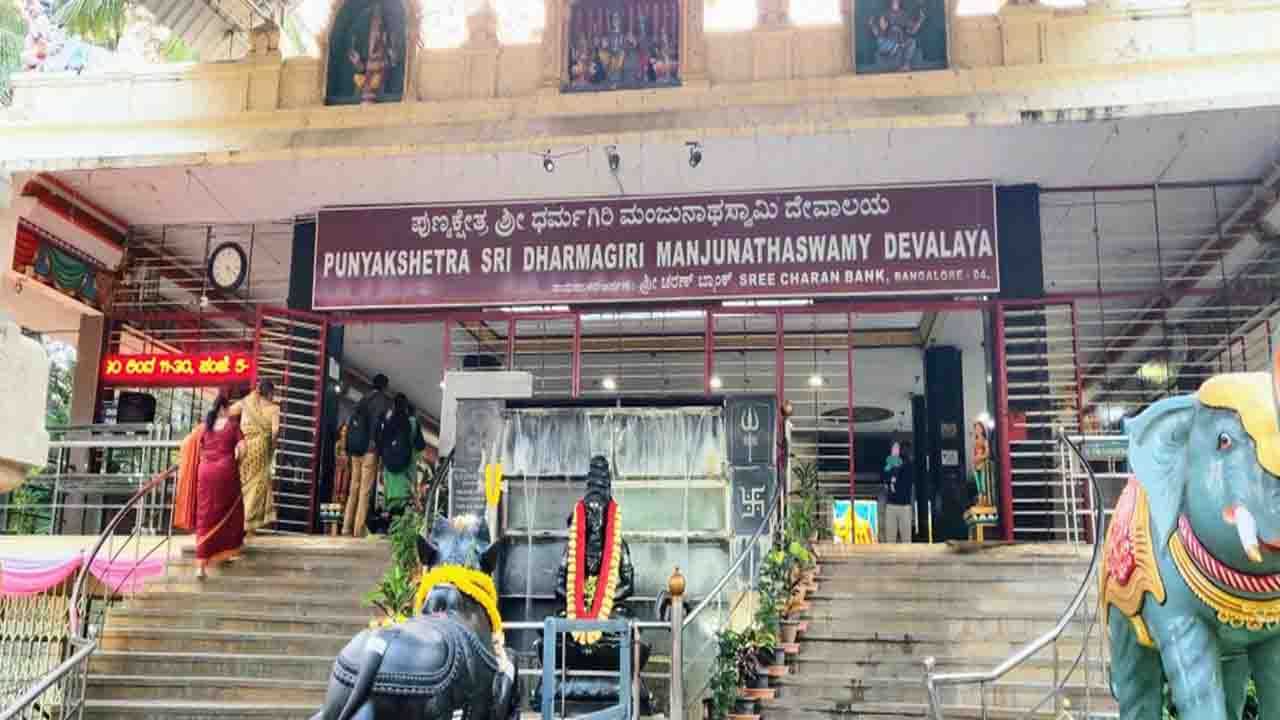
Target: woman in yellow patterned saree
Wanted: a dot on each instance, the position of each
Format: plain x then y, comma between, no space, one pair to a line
260,423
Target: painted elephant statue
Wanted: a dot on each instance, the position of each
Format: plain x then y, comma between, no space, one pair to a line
449,656
1190,580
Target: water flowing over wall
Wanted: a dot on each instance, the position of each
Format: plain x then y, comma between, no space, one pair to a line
668,479
647,442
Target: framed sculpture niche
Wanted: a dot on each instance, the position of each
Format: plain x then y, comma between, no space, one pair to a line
368,53
622,45
893,36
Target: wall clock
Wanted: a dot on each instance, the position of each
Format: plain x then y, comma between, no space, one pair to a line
228,267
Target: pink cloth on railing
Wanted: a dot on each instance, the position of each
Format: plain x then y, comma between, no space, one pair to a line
28,576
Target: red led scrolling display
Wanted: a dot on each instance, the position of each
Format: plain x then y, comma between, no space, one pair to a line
170,370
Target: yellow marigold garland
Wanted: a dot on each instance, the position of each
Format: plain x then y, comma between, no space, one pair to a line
474,584
611,584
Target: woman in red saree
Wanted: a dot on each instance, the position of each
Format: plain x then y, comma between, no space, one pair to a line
219,507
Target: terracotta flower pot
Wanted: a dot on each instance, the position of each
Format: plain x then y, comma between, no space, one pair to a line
789,632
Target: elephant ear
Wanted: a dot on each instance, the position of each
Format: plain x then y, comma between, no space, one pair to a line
1157,455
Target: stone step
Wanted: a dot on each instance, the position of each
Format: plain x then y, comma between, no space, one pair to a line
861,643
315,548
179,710
250,619
278,565
808,670
945,562
832,692
315,668
262,585
925,602
893,711
221,641
350,604
871,580
204,689
944,553
957,626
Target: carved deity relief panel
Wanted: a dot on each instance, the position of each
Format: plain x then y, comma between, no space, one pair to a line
369,51
622,44
892,36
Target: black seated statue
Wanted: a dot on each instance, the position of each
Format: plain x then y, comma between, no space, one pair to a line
594,580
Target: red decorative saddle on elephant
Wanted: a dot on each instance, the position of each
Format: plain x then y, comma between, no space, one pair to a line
1129,571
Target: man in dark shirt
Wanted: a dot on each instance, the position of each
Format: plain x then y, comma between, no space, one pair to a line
898,508
366,467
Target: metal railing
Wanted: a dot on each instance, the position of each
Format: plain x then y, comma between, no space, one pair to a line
1054,638
91,473
80,606
695,646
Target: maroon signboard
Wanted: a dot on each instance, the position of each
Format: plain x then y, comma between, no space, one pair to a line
803,243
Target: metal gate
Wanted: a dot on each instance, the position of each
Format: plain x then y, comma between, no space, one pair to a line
1039,391
289,349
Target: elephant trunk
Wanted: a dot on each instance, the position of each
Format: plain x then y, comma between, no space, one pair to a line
376,648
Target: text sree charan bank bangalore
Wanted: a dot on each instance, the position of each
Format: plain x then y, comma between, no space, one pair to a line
670,254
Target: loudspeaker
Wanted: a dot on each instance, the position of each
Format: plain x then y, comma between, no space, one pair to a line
135,407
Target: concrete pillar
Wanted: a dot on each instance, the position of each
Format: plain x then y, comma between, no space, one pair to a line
84,392
84,401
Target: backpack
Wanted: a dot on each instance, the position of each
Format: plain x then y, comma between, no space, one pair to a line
359,429
397,450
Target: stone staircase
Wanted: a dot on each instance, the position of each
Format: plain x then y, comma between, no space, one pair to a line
255,640
881,610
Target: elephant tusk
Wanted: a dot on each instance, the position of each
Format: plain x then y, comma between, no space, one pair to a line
1247,530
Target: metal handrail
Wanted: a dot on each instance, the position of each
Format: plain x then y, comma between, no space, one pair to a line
48,681
932,681
732,572
78,631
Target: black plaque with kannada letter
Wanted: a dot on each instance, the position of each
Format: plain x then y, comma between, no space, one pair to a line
479,424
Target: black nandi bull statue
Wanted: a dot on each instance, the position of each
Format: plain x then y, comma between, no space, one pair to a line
448,657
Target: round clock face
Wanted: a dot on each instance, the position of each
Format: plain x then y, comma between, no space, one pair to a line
227,267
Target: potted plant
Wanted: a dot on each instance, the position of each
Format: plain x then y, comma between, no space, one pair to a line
802,518
395,591
724,675
754,656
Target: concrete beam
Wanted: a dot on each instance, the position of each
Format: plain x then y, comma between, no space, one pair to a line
961,97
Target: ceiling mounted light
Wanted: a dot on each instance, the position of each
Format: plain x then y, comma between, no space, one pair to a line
548,162
608,383
615,160
815,380
716,382
695,153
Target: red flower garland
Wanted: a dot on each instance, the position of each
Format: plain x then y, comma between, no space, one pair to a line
580,561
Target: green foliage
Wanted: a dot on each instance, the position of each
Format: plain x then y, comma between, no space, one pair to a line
96,21
176,50
802,514
293,34
62,368
29,511
395,592
724,672
12,31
